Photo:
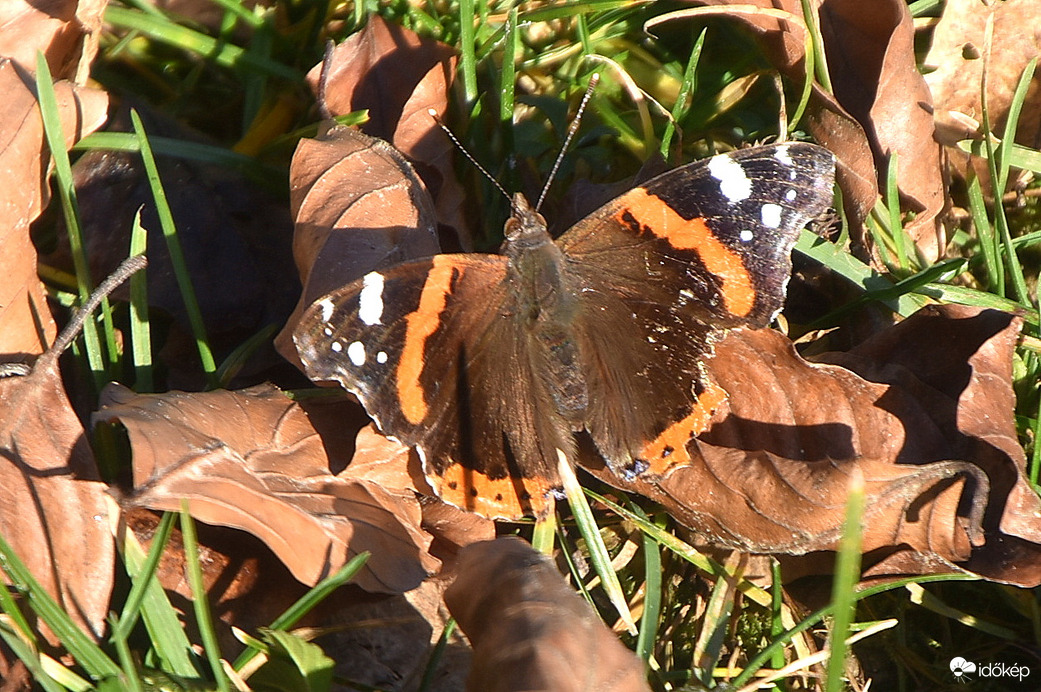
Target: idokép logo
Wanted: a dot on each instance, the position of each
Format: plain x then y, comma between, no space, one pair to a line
964,670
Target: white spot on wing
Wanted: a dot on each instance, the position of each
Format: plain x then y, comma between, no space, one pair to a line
790,195
746,236
327,309
771,215
733,182
370,303
336,346
381,357
781,154
356,352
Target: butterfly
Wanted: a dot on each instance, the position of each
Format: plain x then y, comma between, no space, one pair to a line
493,366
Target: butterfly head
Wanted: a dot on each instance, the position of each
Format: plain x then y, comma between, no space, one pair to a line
526,228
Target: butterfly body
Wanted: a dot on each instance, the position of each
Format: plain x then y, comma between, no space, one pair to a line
490,365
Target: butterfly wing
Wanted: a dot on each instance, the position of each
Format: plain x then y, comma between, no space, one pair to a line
431,350
664,269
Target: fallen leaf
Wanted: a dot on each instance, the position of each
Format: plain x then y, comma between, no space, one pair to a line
387,643
252,460
359,206
529,629
398,76
26,325
874,74
958,57
65,31
931,431
55,509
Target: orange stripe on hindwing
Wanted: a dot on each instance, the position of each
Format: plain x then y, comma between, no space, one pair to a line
656,216
421,323
669,449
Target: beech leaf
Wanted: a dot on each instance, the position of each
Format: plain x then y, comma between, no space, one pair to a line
253,460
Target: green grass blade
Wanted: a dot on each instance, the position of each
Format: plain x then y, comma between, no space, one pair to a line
28,656
436,655
985,232
467,48
1008,138
308,601
685,551
219,52
200,604
164,627
508,77
130,678
598,554
652,598
77,642
814,619
687,86
858,273
715,623
70,207
140,333
776,608
843,591
173,243
543,536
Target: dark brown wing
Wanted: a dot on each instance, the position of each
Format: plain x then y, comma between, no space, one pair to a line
667,266
431,350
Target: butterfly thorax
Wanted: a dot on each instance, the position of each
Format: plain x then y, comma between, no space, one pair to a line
546,307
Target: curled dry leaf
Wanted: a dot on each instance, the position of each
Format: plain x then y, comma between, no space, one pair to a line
26,326
359,206
55,509
958,56
874,75
529,629
253,460
398,77
931,430
65,31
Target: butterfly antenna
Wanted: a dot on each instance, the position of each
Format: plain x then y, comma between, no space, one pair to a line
593,81
467,154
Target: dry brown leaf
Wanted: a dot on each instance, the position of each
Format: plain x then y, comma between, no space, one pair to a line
931,431
874,74
55,509
253,460
398,77
359,206
245,583
529,629
26,325
958,56
65,31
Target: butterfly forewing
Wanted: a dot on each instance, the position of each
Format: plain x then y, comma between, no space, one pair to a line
664,268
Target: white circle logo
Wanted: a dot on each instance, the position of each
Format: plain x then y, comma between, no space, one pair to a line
960,667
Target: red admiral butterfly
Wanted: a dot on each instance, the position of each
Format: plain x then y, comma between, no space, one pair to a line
489,364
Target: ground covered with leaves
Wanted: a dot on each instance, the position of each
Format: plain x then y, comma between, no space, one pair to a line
183,509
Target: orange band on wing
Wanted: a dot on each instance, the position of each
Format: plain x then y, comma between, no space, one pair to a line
420,324
500,498
669,449
655,215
